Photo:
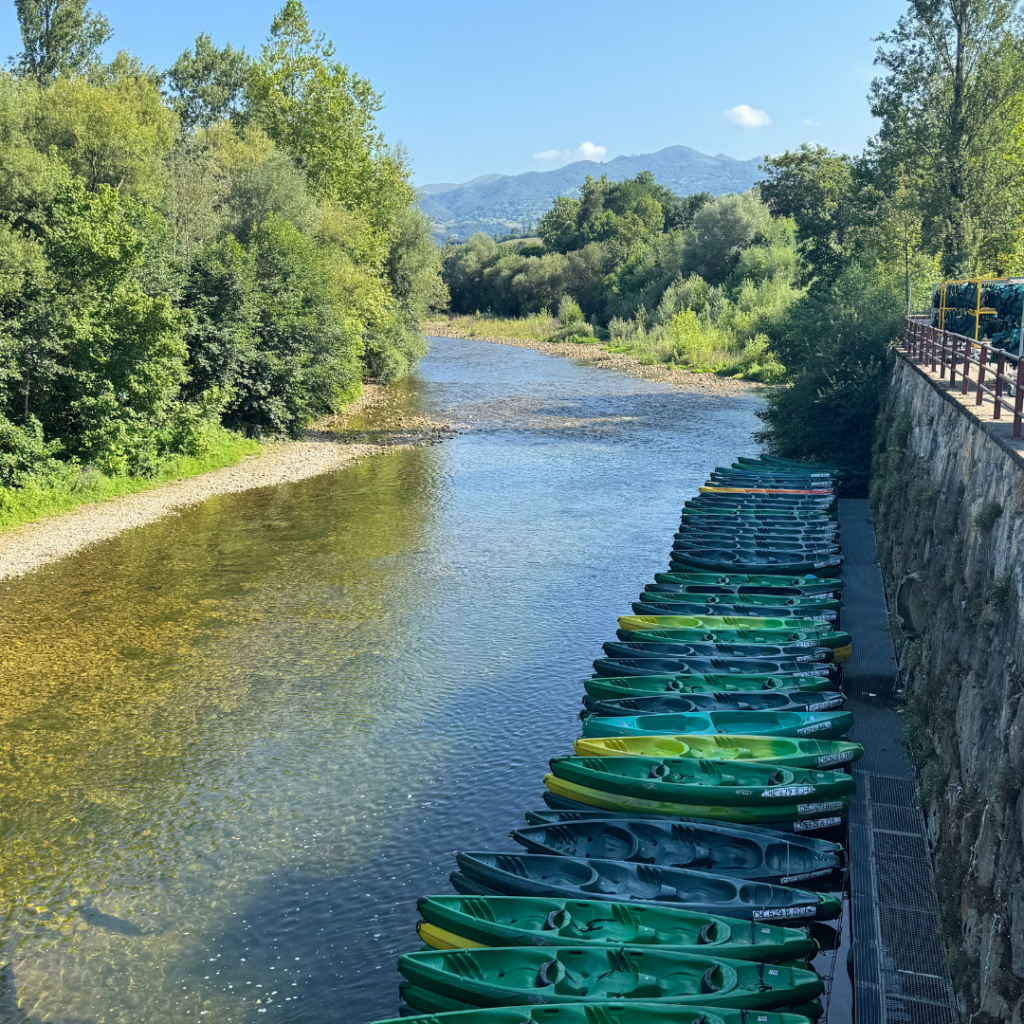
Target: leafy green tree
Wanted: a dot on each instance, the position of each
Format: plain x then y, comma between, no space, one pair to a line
947,103
721,230
304,362
61,37
206,83
324,115
114,132
836,345
816,188
221,298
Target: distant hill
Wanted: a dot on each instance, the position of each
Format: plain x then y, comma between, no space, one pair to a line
497,203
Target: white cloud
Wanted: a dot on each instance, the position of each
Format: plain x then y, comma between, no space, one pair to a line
585,151
746,116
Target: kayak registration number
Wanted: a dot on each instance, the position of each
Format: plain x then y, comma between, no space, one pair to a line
785,791
783,913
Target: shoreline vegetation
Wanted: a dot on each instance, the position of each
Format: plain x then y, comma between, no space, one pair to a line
194,262
124,503
535,332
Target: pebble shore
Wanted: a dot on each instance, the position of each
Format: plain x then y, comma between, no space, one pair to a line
329,446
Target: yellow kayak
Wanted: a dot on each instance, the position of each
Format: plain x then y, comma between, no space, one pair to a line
781,750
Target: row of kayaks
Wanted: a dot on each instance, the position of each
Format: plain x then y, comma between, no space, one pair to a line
684,852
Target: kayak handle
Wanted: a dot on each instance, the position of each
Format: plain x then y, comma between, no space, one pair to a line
707,983
705,934
658,771
543,981
777,778
553,923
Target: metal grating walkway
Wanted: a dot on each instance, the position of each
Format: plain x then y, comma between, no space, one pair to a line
899,971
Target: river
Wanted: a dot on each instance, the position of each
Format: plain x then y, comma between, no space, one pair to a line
240,742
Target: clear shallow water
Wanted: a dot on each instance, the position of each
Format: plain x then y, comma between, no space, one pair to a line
236,745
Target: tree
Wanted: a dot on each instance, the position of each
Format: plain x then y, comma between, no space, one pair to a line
952,70
114,132
324,116
206,83
816,188
721,231
61,37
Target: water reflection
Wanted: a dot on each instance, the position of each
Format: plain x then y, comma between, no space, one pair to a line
237,744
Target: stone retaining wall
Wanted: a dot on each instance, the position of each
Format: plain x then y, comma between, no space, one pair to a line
948,502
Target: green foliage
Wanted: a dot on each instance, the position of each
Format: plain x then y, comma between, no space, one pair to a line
721,231
238,253
949,103
61,37
816,188
716,274
835,343
207,83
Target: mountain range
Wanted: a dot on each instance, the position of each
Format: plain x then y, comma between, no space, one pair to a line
498,203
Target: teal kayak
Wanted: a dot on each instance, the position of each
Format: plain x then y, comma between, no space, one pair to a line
620,687
821,725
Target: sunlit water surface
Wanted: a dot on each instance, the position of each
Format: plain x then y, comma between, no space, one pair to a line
239,743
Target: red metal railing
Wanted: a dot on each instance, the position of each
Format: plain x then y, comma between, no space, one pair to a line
941,350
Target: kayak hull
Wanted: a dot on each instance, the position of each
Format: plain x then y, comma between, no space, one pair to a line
540,921
596,798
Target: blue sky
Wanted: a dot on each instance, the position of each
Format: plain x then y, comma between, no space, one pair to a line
481,87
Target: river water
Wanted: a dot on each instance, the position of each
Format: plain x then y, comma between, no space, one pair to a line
239,743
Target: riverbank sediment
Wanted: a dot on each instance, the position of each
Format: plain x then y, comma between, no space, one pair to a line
593,354
332,444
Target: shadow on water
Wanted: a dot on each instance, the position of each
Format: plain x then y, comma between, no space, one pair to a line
236,745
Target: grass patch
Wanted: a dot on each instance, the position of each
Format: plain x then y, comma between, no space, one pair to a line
37,499
537,327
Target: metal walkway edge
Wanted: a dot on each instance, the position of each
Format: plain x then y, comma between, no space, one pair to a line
900,975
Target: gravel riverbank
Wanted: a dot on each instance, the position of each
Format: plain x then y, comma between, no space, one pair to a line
594,355
333,444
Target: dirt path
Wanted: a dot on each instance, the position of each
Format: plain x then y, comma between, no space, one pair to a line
36,544
594,355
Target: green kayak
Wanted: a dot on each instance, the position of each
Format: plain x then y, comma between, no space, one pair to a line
694,781
619,687
748,580
820,725
599,1013
514,975
467,921
785,751
803,607
837,641
816,814
721,622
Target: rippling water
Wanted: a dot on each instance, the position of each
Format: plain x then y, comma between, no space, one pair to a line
239,743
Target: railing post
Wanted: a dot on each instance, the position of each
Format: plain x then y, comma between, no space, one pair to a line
983,357
931,338
966,379
997,403
1018,397
942,363
952,362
